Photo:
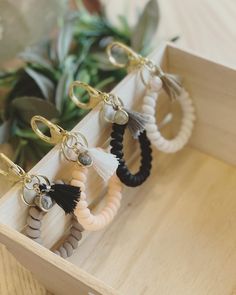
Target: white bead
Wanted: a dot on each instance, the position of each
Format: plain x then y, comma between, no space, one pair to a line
187,123
155,83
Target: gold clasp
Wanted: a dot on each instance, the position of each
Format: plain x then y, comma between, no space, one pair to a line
57,133
133,59
13,170
95,96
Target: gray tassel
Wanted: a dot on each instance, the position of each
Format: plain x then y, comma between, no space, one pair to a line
171,83
136,123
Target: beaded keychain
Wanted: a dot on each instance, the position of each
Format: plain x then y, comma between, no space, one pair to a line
74,147
44,195
121,118
157,80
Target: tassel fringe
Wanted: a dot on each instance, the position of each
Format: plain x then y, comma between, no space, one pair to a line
136,123
171,83
65,195
104,163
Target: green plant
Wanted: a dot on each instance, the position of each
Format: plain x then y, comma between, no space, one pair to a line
40,85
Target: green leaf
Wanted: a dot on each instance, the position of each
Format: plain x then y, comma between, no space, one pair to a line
33,57
25,133
61,91
102,62
44,84
146,26
4,131
26,107
64,40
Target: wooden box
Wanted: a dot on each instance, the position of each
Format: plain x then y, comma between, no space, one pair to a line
176,234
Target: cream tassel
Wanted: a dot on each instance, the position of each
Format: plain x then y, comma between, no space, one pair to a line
104,163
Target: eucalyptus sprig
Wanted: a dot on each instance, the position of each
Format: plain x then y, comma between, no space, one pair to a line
40,86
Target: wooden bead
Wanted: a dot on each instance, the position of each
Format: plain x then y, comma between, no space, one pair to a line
73,241
69,248
77,225
76,174
86,219
155,83
36,213
33,223
63,252
78,183
112,206
76,233
187,123
83,213
82,204
32,233
107,214
83,196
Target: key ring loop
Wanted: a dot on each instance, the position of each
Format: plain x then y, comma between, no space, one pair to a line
95,96
57,133
79,139
26,182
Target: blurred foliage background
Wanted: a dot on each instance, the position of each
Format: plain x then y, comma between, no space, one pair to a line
38,82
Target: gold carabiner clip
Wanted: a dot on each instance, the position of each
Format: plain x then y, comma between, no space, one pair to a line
95,96
13,170
57,133
134,60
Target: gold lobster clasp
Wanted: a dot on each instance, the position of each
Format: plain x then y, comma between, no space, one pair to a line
12,170
95,96
132,60
56,132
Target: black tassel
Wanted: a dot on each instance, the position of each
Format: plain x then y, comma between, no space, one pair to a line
136,123
171,83
65,195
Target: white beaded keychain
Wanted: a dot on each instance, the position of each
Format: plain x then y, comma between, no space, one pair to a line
157,81
75,148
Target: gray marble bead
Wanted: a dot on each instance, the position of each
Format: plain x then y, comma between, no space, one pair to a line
63,252
74,243
33,223
36,213
76,233
69,248
32,233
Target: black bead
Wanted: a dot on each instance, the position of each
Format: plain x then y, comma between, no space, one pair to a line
122,171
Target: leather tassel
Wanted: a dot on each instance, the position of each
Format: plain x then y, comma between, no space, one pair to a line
104,163
136,123
171,83
65,195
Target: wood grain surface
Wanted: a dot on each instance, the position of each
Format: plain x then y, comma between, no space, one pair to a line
205,26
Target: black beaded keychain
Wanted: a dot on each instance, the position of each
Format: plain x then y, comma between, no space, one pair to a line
121,118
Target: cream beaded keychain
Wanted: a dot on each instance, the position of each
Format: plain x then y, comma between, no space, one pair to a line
121,119
75,148
158,80
44,195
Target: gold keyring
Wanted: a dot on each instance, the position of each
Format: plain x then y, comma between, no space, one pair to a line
78,138
56,131
95,96
22,195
